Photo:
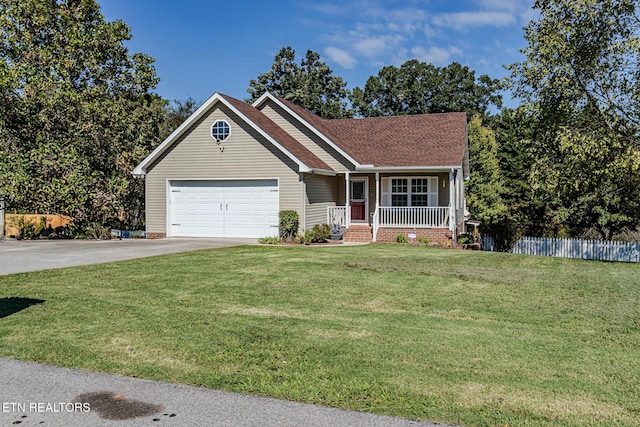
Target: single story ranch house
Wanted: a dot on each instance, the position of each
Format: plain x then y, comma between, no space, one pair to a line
231,167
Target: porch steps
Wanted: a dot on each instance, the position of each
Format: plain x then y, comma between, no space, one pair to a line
358,233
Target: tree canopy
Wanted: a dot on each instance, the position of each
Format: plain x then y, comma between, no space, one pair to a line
582,81
175,113
418,88
310,85
76,111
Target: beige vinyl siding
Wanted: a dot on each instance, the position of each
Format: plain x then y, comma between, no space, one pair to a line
246,155
307,138
371,194
342,190
443,192
321,192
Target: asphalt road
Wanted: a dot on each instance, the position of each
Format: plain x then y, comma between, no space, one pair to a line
40,395
33,394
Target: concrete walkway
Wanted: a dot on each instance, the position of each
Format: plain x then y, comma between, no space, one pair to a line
33,394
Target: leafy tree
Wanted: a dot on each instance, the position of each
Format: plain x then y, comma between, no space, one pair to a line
310,85
514,133
584,54
417,87
581,78
175,114
485,189
76,112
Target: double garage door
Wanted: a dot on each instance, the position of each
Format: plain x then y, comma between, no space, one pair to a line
224,208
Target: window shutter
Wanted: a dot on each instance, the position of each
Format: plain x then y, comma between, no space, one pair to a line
385,189
433,191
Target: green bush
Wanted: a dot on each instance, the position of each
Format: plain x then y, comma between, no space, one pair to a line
401,238
320,233
424,240
465,238
270,240
26,229
289,222
97,231
308,237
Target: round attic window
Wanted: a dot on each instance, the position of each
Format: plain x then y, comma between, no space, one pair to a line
220,130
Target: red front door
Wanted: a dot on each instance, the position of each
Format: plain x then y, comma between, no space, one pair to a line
358,200
357,211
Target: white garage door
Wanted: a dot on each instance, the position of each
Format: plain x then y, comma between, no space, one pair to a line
224,208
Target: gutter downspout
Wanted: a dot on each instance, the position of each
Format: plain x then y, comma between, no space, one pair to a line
347,204
376,213
303,223
452,204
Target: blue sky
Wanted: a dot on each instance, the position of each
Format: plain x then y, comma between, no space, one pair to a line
201,47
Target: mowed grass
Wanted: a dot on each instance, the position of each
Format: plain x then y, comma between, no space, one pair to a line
459,337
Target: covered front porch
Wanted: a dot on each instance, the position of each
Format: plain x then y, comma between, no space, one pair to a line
414,204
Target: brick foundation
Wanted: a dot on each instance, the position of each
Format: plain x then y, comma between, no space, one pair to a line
435,235
156,235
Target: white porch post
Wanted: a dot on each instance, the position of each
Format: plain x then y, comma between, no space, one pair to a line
452,203
348,197
376,213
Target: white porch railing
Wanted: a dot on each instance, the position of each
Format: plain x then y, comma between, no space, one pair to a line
337,215
399,217
420,217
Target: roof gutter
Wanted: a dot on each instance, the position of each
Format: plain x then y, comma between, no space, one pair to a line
323,172
371,168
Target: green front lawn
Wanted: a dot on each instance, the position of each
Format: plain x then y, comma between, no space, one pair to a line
469,338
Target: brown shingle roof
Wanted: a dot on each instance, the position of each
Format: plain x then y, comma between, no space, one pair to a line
277,133
420,140
430,140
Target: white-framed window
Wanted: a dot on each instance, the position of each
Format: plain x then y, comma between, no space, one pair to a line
220,130
419,192
399,192
410,191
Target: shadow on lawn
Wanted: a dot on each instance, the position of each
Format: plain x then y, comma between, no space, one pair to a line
12,305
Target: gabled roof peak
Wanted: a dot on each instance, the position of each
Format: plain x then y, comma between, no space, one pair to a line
304,158
430,140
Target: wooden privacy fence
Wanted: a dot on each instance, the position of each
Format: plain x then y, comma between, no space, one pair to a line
11,221
578,248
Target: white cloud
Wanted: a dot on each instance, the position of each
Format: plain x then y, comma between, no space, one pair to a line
405,21
368,33
508,5
462,20
342,57
376,46
436,55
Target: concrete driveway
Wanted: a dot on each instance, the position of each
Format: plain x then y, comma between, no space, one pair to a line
26,255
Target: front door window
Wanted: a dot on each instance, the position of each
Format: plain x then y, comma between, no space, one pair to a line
357,191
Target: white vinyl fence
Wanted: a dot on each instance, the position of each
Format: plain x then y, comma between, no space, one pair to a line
577,248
